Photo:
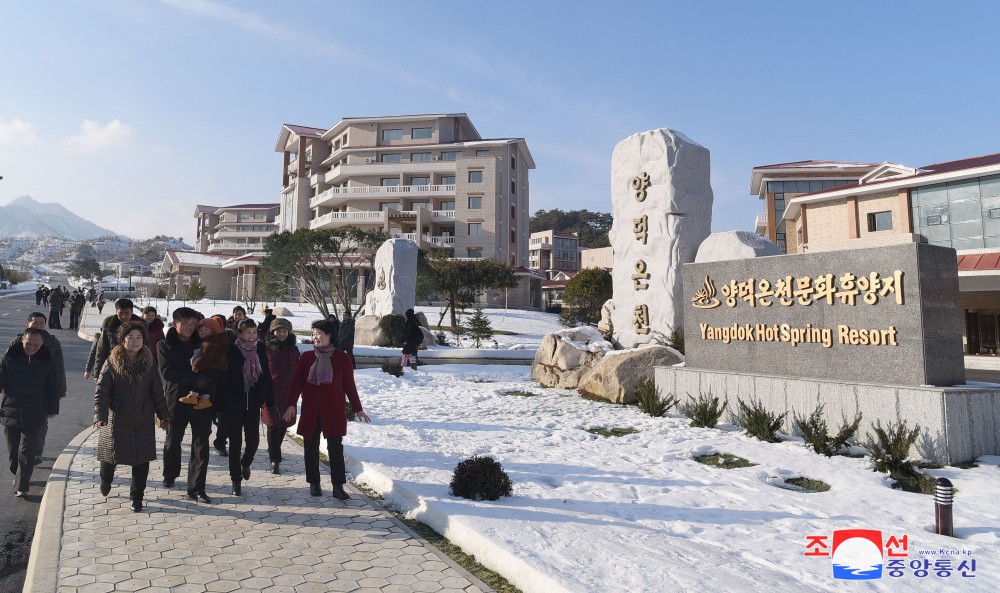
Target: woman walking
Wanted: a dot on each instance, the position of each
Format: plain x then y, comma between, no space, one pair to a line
323,377
128,396
413,337
282,356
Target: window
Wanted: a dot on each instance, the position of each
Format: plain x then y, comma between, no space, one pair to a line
421,157
879,221
391,158
513,188
390,181
451,155
476,252
447,205
482,153
934,220
475,176
513,162
420,180
392,134
385,205
475,228
448,180
475,202
421,133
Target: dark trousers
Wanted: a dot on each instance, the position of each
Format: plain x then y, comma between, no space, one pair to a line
242,424
23,445
201,427
54,319
221,432
275,436
334,450
74,319
140,473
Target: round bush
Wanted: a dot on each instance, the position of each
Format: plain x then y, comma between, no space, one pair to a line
481,478
392,326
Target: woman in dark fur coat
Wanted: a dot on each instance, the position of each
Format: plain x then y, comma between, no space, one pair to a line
128,396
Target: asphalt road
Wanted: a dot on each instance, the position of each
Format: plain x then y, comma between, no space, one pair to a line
17,517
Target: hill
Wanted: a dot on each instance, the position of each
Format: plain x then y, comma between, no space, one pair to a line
591,227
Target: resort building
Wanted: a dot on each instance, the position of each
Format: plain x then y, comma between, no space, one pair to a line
234,230
552,251
597,257
954,204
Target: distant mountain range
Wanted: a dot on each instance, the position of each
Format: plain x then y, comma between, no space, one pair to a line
48,237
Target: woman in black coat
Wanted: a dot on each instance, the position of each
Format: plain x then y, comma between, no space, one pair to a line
128,397
413,337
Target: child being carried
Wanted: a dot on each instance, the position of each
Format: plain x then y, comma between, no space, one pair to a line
209,360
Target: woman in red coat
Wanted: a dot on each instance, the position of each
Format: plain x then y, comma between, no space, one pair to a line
324,376
282,357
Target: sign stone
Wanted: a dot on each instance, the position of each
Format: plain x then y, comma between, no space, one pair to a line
395,286
661,201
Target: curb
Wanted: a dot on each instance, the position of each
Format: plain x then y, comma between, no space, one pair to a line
42,574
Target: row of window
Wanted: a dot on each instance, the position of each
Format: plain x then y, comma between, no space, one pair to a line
804,187
427,157
415,133
251,216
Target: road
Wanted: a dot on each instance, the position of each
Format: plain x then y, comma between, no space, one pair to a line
17,520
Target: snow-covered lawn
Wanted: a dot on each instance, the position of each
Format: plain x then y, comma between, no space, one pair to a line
636,513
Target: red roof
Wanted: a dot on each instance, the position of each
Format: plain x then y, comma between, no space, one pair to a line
979,262
969,163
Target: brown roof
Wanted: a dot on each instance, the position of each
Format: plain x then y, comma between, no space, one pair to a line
979,262
969,163
817,164
305,130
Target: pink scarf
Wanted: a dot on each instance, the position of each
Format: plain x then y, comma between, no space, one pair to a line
321,372
251,363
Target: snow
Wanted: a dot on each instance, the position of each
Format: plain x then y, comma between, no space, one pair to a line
636,513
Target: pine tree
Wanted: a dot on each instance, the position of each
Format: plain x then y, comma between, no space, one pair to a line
479,328
196,290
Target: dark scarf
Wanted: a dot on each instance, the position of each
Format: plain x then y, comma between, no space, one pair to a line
321,372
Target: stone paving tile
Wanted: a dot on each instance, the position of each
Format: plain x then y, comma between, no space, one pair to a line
275,538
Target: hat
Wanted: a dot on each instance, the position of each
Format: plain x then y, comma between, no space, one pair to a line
280,322
213,325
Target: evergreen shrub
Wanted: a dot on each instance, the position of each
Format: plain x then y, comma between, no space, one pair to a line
758,421
649,400
703,412
481,478
393,368
890,448
392,326
817,436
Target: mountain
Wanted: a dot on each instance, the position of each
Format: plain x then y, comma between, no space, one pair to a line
26,218
48,237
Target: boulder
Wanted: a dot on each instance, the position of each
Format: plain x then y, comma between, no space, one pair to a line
565,356
605,326
280,311
368,333
735,245
395,278
617,374
429,338
661,201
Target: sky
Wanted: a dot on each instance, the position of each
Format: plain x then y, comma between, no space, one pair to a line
132,112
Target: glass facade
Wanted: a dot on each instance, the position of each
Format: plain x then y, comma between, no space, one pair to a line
960,214
780,188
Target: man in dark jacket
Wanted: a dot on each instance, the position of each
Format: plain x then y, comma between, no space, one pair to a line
55,308
76,303
37,321
30,399
109,333
174,354
346,340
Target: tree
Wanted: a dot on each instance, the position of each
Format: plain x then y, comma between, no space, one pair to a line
478,327
584,296
462,281
16,276
591,227
196,290
86,267
327,264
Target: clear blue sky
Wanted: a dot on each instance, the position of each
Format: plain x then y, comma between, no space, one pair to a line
131,112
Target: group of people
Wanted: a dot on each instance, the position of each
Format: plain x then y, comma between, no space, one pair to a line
201,371
58,298
226,370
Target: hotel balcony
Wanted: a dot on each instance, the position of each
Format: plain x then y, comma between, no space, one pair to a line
443,241
336,196
338,219
225,234
343,171
760,224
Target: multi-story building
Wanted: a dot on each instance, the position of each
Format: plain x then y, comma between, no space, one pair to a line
954,204
234,230
552,251
775,185
429,178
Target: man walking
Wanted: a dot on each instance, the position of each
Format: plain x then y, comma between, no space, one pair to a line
174,354
30,400
55,308
346,340
36,320
109,333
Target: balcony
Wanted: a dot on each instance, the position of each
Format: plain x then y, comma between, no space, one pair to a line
443,214
343,171
415,237
335,196
336,219
225,234
760,223
443,241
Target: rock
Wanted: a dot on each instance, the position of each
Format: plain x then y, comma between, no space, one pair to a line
565,356
663,178
605,326
735,245
367,332
616,376
395,279
429,338
282,312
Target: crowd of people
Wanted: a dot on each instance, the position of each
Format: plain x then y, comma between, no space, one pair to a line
200,372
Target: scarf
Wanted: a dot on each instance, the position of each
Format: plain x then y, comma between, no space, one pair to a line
321,372
251,363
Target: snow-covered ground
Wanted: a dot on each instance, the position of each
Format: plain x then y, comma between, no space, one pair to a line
636,513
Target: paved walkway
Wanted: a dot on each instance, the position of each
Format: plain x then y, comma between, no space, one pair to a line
275,538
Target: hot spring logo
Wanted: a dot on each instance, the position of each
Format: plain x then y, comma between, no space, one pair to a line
857,554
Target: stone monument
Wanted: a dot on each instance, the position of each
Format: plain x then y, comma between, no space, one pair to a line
661,201
395,279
